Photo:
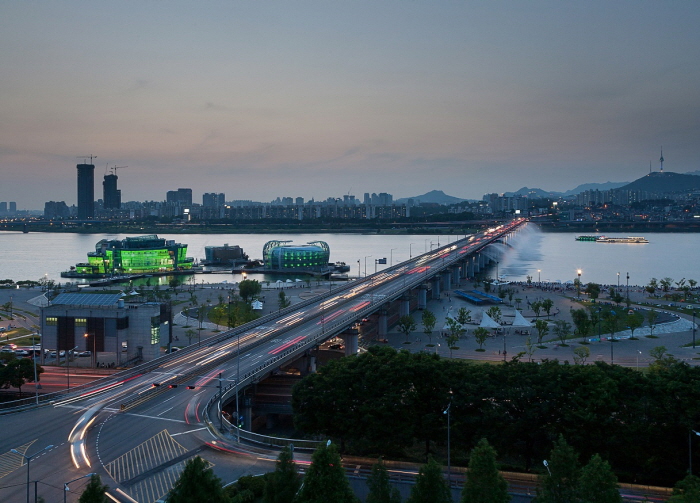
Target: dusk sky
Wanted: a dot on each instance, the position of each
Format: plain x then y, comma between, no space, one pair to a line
260,99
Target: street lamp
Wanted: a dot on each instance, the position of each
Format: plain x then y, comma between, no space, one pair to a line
447,411
391,257
638,353
238,376
410,254
29,458
67,368
618,281
539,275
94,355
368,256
65,484
690,453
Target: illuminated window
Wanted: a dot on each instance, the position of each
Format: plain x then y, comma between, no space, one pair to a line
51,321
80,322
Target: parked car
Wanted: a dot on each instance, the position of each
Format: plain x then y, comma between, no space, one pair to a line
85,353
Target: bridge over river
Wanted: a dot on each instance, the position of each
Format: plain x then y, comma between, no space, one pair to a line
137,436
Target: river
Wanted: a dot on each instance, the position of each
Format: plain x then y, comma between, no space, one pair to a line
557,256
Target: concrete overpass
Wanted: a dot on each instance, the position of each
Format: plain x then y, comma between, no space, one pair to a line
139,435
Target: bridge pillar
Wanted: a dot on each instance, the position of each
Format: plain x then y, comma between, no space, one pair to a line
422,297
435,287
447,280
247,412
455,274
382,323
464,270
405,305
312,364
471,266
350,337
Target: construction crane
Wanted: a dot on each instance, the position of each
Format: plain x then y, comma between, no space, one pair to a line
115,168
85,158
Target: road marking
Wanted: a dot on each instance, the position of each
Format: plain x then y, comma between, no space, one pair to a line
166,410
151,417
150,469
186,432
10,461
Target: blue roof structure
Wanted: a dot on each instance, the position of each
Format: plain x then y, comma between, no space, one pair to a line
87,299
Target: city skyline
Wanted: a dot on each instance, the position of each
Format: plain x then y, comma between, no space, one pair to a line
314,99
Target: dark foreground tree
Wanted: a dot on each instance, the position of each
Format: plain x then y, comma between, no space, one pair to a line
598,483
431,486
197,483
484,483
560,482
380,489
284,482
687,490
325,481
95,491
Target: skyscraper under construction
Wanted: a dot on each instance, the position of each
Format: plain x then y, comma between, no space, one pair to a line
86,191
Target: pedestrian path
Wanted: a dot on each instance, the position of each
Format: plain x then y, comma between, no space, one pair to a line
182,320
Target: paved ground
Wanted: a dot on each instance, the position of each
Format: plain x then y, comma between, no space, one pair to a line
626,352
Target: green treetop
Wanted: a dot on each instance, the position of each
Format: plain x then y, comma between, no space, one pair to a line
484,483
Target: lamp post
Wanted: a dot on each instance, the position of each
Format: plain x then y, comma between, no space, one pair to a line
94,355
690,453
638,353
368,256
391,257
539,276
410,254
693,329
67,369
628,288
65,484
618,281
447,411
29,458
238,376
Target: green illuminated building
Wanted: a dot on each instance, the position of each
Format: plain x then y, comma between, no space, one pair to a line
312,256
134,255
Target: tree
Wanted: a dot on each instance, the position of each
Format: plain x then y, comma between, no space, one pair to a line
249,288
431,486
577,284
542,329
325,481
652,286
634,321
480,335
559,484
581,321
380,489
652,316
464,315
593,290
17,372
581,354
283,300
190,334
611,322
666,284
407,325
284,482
197,482
455,331
94,491
536,308
495,313
562,329
616,296
547,305
598,483
484,483
529,348
428,319
686,490
662,359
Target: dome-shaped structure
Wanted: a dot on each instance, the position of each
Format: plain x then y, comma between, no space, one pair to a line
311,256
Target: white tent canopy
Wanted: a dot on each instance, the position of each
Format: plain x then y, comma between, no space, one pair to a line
520,320
488,322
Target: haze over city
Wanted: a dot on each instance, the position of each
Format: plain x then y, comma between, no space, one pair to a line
318,99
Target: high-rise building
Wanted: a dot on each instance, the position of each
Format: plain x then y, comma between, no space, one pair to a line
213,200
3,207
86,191
13,207
180,196
110,194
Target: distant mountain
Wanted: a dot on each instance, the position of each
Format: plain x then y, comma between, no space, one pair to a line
594,186
533,193
665,182
434,196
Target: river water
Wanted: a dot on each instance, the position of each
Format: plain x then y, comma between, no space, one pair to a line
557,256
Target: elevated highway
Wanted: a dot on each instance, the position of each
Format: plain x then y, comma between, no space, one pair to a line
137,435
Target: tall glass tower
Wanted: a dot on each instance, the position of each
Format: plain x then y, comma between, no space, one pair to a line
112,196
86,191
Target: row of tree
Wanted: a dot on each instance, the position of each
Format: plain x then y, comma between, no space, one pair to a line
386,403
16,372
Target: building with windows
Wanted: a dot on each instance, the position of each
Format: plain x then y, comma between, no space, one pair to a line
314,256
86,191
111,195
133,255
104,325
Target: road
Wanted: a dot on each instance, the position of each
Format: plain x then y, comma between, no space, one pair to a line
137,436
